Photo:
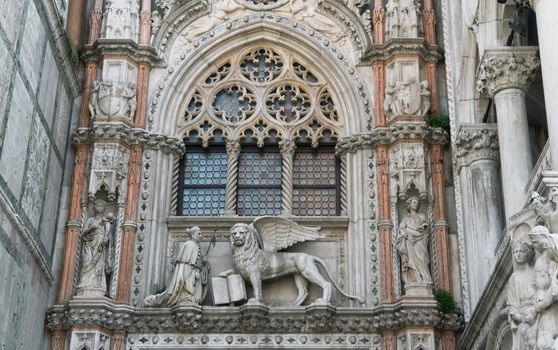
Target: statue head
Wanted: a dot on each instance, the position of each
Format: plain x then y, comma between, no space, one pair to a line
194,233
523,252
540,237
413,204
99,206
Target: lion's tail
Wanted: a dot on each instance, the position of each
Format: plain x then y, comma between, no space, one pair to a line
322,264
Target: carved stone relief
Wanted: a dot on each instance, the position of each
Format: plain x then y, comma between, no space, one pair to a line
404,93
121,19
109,167
277,233
547,208
110,99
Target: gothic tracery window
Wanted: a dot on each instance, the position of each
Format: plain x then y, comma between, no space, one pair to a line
257,101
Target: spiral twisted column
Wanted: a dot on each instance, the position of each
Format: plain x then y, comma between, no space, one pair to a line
343,166
287,154
231,189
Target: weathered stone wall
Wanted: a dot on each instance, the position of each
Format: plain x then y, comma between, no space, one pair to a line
37,91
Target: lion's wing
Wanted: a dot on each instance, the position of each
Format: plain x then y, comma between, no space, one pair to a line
279,233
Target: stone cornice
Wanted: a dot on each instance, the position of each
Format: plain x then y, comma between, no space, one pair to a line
391,134
403,46
129,136
507,68
475,142
251,319
122,47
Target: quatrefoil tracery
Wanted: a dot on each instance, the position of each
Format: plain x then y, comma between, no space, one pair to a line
262,95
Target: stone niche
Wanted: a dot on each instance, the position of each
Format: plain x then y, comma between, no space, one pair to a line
280,292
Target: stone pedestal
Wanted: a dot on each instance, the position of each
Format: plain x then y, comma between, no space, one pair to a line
505,74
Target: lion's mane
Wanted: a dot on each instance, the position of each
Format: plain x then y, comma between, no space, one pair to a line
248,254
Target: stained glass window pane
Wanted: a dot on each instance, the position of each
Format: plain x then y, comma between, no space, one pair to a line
203,183
259,183
260,169
315,182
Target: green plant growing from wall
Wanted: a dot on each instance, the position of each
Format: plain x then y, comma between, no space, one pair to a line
445,300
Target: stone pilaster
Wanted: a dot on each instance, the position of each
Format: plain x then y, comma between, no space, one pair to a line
505,75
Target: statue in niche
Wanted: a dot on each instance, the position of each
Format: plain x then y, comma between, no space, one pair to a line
129,95
546,287
393,8
190,276
256,264
408,20
521,294
412,246
424,98
547,209
391,106
220,11
97,253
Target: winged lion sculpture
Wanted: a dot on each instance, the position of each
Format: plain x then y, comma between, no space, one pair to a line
255,250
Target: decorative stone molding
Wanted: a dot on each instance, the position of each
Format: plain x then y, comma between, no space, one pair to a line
93,340
120,48
507,68
118,317
142,341
129,136
392,134
121,19
475,142
383,52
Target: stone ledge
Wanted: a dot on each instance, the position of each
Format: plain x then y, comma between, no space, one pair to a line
120,47
207,319
392,134
130,136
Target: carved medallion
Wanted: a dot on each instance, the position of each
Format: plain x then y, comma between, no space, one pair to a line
262,4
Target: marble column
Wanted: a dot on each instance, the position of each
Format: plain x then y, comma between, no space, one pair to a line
233,153
504,75
546,15
478,169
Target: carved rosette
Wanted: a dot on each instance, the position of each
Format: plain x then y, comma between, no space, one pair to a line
477,142
507,68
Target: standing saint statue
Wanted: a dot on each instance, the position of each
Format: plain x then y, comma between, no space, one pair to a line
189,280
412,246
96,253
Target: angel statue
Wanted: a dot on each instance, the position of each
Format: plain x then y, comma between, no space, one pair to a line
547,209
256,258
191,270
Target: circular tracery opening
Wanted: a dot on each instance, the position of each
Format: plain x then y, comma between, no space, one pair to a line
266,86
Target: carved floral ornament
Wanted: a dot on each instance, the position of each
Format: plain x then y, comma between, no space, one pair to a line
261,94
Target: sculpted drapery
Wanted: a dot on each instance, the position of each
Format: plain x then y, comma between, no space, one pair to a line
96,257
189,278
412,246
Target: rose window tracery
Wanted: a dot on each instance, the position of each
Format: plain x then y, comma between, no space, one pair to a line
268,87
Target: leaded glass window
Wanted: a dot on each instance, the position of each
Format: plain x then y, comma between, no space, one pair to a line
315,182
203,181
259,182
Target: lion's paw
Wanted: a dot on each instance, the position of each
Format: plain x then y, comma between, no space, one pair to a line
254,301
320,301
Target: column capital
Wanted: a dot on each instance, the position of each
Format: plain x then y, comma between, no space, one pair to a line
507,68
476,142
